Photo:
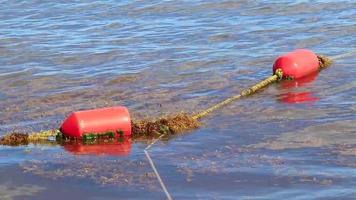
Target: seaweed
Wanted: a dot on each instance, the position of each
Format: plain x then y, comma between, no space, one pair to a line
324,61
14,139
171,125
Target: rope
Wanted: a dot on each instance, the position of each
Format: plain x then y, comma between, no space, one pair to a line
343,55
42,135
158,176
168,195
277,76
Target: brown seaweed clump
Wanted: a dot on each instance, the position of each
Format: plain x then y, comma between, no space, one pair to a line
324,61
14,139
172,125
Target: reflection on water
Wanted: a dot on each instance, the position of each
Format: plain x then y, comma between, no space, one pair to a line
164,57
299,96
112,148
300,82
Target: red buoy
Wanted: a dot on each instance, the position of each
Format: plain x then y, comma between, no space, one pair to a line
101,120
298,63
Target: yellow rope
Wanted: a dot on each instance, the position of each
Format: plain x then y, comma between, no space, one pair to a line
277,76
42,135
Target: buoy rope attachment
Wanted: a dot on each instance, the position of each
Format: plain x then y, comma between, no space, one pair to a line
324,62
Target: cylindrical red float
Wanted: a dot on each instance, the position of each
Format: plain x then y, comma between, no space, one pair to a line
298,63
115,119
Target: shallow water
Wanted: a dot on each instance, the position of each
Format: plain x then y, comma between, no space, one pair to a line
294,140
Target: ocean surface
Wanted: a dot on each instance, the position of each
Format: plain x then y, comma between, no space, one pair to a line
293,140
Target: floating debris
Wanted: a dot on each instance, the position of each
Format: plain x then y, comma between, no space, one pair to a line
105,172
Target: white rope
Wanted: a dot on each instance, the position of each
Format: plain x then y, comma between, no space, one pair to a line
153,142
168,195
